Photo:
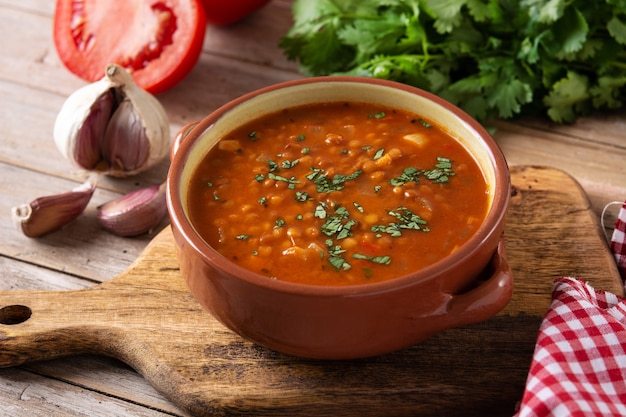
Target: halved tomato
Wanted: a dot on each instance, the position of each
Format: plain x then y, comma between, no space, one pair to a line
225,12
158,41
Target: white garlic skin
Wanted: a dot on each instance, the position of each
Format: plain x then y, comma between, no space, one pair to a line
78,107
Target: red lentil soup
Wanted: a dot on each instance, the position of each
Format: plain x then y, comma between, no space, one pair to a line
337,194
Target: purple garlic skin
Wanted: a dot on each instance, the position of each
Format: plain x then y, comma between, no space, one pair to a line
135,213
46,214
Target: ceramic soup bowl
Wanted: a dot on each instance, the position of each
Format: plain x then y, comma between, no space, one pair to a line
470,285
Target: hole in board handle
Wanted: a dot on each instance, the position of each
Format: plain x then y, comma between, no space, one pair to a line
15,314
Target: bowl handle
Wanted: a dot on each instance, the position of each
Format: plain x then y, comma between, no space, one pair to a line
486,300
180,136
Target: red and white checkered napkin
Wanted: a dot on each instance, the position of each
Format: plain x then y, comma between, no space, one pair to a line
618,241
579,364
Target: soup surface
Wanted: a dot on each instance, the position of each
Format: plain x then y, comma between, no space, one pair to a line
337,194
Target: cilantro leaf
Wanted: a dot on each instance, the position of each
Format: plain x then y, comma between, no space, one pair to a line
617,29
567,97
493,58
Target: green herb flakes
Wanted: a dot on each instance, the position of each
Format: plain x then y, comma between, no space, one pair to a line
383,260
406,220
379,115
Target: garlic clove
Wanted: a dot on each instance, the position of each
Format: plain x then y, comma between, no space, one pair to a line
87,152
49,213
125,143
77,131
80,126
150,112
134,213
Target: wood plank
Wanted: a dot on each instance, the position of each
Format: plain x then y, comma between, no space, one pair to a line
36,65
106,376
148,318
25,393
26,276
603,127
585,161
256,37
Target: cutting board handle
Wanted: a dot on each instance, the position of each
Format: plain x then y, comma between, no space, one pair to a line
102,319
39,325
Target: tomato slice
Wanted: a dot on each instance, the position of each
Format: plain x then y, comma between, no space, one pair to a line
158,41
225,12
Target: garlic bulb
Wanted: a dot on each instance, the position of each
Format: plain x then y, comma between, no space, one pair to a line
112,126
49,213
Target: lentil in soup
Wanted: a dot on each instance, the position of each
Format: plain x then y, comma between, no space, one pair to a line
337,194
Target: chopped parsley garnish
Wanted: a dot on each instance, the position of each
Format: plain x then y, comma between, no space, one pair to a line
339,224
303,196
273,166
289,164
441,173
410,174
320,211
336,259
326,184
280,222
383,260
300,138
242,237
407,220
379,154
379,115
263,201
424,123
292,180
252,136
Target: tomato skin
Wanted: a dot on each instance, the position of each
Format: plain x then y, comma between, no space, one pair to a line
225,12
158,41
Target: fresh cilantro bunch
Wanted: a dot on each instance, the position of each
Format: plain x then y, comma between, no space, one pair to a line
493,58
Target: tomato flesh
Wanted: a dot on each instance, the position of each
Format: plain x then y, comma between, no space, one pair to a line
158,42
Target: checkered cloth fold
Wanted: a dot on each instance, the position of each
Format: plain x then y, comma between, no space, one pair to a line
579,364
618,241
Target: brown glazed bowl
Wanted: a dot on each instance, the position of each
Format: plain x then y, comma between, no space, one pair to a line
469,286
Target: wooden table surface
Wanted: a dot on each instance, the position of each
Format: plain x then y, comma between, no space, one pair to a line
235,60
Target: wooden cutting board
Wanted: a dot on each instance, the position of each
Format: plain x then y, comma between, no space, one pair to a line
147,318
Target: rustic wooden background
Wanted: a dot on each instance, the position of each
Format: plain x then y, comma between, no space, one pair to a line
235,60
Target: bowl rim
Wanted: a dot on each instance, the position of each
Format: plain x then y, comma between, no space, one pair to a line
211,256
